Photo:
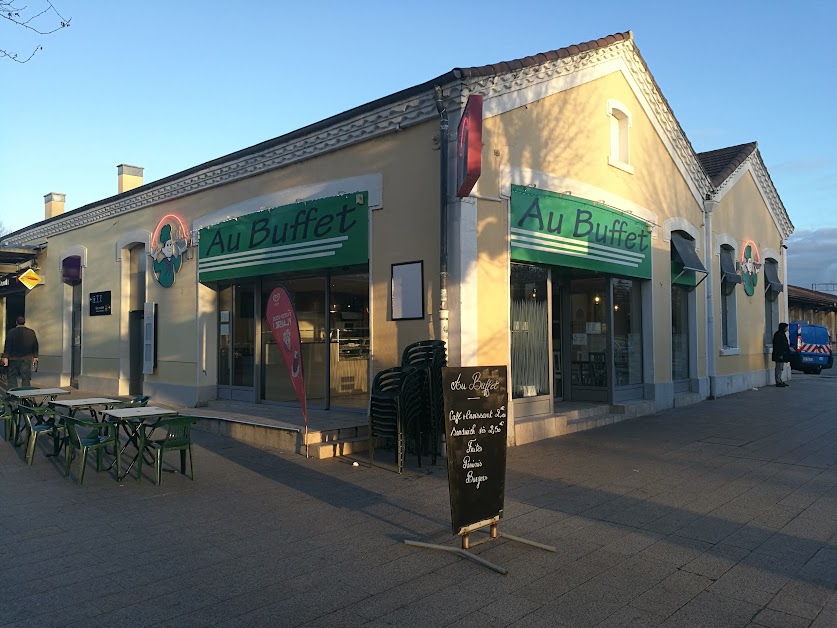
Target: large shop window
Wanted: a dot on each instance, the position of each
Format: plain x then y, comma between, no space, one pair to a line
729,280
529,331
627,332
334,332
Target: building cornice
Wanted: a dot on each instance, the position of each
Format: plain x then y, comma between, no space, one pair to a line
754,164
388,119
534,82
526,84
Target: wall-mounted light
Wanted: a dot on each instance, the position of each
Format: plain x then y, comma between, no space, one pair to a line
596,299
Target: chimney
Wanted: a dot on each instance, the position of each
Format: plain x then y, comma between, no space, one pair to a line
53,204
129,177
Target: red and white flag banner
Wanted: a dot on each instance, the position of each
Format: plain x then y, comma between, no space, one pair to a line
281,317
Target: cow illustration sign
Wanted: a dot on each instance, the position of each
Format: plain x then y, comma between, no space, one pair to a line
476,424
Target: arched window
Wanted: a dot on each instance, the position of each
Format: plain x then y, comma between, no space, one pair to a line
729,280
620,136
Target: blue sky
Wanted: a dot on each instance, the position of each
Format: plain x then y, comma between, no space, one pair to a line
168,85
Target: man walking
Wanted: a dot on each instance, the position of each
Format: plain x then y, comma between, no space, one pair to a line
19,352
781,353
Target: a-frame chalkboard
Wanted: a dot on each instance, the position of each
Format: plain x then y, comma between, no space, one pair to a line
476,425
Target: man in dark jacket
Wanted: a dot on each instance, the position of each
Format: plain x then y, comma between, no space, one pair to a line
19,352
781,353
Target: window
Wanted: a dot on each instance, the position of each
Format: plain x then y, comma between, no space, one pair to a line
627,332
771,298
729,279
620,126
529,331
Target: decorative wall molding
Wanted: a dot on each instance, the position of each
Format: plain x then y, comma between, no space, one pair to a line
73,251
725,238
502,92
681,224
755,165
519,87
388,119
138,236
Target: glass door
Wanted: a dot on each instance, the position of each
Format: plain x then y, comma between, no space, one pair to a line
589,318
680,337
308,296
75,354
236,342
557,353
349,341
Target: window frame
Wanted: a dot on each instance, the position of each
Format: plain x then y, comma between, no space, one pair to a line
619,117
728,307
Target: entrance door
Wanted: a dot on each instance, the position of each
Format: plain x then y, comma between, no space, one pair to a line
589,300
135,344
680,338
236,343
75,355
557,353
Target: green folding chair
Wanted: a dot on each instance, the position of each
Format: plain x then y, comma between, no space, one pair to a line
9,421
84,435
41,420
177,436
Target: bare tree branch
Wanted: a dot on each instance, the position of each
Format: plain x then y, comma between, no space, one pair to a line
18,15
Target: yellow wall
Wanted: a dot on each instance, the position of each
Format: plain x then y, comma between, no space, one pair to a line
568,135
743,215
405,229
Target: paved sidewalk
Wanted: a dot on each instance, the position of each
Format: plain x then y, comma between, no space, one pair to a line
719,514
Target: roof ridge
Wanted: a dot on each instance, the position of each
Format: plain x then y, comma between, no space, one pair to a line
543,57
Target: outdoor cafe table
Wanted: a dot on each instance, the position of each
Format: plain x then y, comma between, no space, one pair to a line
45,394
87,403
132,420
37,397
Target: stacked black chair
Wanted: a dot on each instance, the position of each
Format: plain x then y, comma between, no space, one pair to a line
430,356
396,403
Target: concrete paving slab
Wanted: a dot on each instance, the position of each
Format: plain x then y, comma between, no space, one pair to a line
637,510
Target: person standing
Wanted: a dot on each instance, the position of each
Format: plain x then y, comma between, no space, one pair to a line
19,353
781,353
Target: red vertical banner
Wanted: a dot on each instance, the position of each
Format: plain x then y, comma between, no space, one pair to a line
281,317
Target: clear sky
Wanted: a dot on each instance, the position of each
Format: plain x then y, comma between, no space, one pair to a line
168,85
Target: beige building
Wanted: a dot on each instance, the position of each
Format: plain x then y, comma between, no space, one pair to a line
548,214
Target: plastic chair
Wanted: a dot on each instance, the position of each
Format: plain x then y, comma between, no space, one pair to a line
178,437
41,420
14,423
84,435
140,401
396,403
9,421
431,356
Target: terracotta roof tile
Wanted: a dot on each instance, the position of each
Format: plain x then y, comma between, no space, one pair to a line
551,55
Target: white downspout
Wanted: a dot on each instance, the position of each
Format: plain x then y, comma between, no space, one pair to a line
709,263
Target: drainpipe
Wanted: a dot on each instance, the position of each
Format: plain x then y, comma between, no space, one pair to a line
443,216
709,262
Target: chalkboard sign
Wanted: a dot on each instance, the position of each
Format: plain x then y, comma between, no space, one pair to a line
476,402
100,303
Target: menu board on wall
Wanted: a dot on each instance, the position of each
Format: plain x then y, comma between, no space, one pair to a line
476,425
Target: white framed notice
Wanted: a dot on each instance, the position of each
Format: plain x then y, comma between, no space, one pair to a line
407,291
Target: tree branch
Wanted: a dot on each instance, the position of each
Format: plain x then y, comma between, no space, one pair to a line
16,15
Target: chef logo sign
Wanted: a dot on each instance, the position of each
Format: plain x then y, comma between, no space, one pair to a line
170,241
750,264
